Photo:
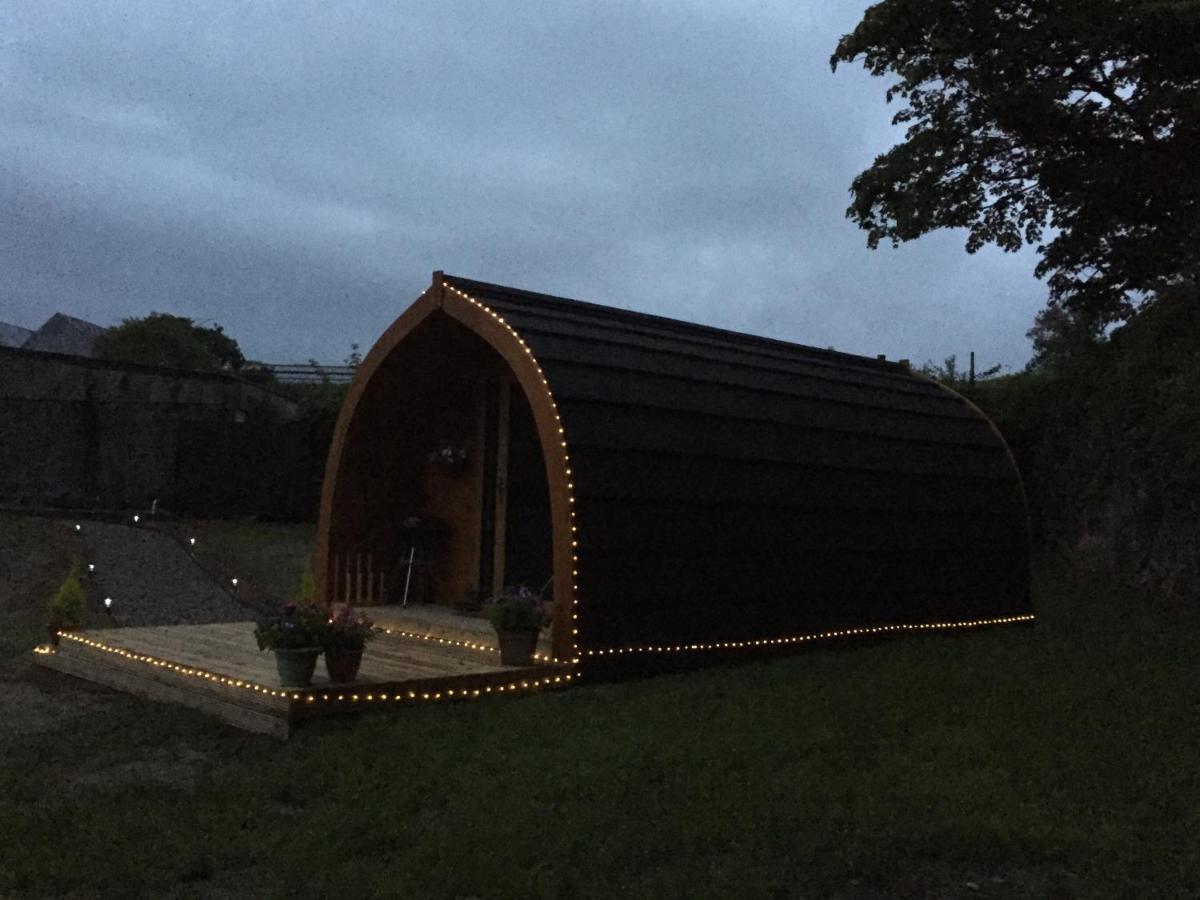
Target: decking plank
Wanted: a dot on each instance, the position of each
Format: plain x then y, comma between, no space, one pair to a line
412,654
235,654
202,649
440,622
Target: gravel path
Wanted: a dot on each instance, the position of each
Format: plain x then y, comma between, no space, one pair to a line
153,580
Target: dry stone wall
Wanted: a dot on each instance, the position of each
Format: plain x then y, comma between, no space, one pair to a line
79,432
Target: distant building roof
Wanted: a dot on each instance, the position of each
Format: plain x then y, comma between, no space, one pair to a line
13,335
65,334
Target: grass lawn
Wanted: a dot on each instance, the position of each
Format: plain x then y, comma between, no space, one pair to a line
267,558
1055,761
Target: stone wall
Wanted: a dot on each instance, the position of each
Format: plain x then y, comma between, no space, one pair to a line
78,432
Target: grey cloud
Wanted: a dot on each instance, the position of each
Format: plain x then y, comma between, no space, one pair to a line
296,172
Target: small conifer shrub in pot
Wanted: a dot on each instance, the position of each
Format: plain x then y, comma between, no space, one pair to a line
66,606
296,635
516,614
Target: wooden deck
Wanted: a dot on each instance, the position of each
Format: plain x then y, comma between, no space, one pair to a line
220,670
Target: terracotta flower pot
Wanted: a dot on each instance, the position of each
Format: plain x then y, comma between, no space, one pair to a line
296,665
516,647
342,665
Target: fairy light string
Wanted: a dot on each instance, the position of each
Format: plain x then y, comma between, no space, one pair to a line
309,696
818,636
720,645
190,547
324,697
566,461
320,695
452,642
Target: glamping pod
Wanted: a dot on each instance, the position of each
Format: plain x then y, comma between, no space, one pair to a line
678,489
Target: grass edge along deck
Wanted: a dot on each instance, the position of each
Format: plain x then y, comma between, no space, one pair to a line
120,659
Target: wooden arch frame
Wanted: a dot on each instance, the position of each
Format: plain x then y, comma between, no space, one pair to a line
491,328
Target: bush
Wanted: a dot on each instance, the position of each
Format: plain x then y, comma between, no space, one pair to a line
66,606
294,627
515,609
1108,443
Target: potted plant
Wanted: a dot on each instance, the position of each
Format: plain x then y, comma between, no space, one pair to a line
516,614
66,606
295,635
345,638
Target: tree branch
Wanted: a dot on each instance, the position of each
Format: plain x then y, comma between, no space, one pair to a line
1105,89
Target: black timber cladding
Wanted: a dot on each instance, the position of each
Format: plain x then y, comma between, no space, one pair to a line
731,487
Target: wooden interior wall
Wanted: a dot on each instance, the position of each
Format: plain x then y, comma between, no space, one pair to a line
451,495
427,396
529,538
378,484
504,395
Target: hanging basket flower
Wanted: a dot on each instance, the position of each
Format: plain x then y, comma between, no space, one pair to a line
449,458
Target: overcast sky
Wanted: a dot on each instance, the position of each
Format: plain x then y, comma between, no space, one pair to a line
295,172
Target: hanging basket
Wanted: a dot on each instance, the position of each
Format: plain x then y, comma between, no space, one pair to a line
448,459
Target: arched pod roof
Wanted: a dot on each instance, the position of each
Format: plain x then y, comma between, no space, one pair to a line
731,489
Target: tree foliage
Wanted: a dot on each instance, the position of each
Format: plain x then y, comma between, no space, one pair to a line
1080,118
161,339
1108,443
1058,337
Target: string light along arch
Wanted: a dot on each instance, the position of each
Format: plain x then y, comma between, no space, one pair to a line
491,327
573,590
